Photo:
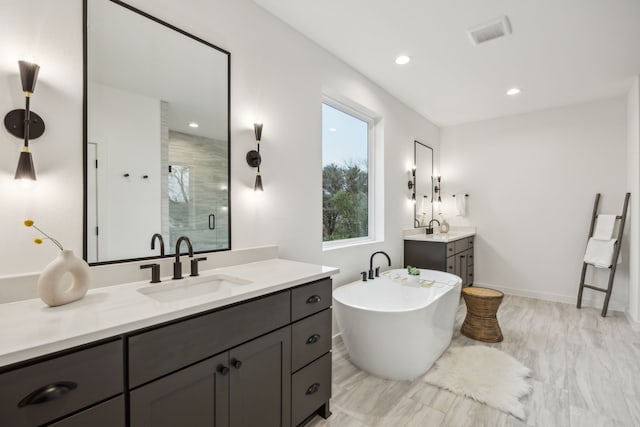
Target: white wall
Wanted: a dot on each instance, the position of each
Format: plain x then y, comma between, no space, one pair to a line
277,77
531,181
633,185
125,149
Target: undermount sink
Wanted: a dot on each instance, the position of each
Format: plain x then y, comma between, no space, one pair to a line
193,287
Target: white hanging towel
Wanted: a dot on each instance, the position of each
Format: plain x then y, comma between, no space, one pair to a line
605,225
599,253
461,204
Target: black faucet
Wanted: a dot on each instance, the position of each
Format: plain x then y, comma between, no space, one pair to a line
153,243
430,228
177,266
377,269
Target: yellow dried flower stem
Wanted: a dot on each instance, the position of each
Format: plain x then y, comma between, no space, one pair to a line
30,223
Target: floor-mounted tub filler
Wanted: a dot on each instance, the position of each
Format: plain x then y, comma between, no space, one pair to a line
394,327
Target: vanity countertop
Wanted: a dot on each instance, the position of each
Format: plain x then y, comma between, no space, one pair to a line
30,328
451,236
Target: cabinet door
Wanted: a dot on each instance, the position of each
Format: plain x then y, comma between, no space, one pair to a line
260,381
461,267
197,396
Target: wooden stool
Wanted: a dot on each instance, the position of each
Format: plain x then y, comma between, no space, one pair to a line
482,305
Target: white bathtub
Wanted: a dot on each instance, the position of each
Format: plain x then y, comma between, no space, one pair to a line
394,328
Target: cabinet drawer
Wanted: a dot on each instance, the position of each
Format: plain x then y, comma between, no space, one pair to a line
461,245
310,339
169,348
311,298
451,264
451,249
310,388
107,414
50,389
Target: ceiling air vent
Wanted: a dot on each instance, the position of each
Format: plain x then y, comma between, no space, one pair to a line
492,30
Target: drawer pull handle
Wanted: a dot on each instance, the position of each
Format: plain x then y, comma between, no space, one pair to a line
236,363
313,339
450,268
47,393
313,388
223,370
314,299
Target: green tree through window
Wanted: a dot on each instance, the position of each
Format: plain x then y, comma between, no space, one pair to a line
345,178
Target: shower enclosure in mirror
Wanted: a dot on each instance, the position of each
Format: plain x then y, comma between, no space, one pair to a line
156,136
423,158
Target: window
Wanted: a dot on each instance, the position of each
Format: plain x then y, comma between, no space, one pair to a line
346,174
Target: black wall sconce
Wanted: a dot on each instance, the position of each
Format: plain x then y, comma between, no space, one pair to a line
23,123
437,188
254,159
412,184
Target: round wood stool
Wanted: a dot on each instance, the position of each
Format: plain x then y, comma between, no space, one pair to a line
482,306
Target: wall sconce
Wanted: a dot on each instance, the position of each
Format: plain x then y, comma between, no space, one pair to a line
412,183
437,189
25,124
254,159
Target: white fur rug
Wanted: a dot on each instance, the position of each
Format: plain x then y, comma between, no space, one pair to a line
485,374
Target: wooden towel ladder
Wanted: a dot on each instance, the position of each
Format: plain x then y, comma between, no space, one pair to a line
616,252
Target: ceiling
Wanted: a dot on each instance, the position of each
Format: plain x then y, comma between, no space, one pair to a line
560,52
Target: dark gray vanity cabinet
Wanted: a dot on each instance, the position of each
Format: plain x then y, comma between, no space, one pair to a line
263,362
454,257
78,382
236,366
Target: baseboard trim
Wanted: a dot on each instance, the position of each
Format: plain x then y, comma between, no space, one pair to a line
634,325
587,301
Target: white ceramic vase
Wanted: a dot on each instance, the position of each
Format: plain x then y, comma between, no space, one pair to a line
51,288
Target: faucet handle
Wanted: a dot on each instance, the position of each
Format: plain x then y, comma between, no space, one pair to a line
377,271
364,276
194,266
155,271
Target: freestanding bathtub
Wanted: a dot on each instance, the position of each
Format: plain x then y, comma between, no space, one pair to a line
395,328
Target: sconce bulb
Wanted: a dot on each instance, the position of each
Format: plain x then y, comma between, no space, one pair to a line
28,76
258,185
25,170
257,128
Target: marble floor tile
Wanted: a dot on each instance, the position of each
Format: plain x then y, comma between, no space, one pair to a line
432,396
409,413
585,373
583,417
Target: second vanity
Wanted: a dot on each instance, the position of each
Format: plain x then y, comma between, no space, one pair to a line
255,351
451,252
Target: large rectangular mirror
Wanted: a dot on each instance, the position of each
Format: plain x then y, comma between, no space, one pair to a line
156,136
423,158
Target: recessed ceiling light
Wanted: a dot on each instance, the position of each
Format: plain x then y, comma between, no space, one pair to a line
332,129
403,59
514,91
193,125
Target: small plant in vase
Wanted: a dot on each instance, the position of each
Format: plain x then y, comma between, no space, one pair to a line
51,288
413,273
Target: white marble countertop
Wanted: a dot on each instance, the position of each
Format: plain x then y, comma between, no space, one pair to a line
451,236
30,328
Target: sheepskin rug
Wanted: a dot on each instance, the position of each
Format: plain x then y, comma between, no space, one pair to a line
485,374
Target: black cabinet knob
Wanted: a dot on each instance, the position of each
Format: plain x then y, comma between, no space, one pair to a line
313,388
223,369
314,299
236,363
450,267
313,339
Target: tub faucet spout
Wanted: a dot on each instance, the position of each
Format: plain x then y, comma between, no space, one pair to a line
371,263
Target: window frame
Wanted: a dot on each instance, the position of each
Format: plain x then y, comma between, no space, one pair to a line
351,110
